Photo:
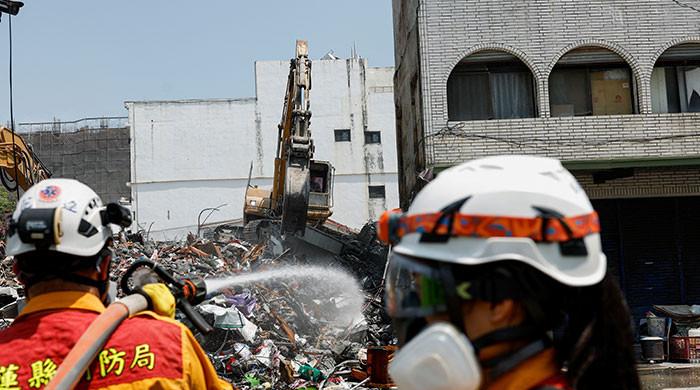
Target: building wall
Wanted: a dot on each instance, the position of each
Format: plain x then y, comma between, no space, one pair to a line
613,137
97,157
539,33
408,97
187,156
643,183
191,155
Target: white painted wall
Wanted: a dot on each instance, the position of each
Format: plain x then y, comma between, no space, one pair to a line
192,154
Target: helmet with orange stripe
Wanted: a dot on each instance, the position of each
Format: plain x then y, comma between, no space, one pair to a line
527,209
500,228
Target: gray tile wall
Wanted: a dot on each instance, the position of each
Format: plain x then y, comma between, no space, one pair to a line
539,32
646,182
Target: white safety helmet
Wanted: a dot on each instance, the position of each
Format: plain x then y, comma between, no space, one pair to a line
521,208
62,215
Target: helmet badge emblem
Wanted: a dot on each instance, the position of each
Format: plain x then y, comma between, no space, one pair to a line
50,193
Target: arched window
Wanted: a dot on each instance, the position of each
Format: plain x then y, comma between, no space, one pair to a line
490,85
591,81
675,82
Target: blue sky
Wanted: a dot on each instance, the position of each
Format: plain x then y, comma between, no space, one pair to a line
81,58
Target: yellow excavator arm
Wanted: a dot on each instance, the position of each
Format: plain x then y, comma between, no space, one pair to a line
19,166
295,148
302,187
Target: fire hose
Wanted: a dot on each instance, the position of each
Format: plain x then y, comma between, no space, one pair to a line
187,292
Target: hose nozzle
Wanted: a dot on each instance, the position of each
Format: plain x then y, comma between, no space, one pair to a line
187,292
194,290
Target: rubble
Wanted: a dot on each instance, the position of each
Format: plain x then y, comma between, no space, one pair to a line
277,335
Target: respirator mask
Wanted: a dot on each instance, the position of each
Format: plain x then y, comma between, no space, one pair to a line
434,357
440,356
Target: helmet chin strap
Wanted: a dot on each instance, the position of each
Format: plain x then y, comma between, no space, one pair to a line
496,367
514,333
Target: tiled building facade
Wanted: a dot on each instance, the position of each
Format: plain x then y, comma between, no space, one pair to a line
610,87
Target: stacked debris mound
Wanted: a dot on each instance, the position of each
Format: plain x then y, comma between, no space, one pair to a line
305,331
11,293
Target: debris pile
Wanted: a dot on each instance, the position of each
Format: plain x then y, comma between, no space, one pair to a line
314,329
300,332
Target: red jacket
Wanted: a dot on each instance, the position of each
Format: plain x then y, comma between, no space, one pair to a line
145,351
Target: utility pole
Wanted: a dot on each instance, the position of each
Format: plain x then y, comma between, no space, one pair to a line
12,9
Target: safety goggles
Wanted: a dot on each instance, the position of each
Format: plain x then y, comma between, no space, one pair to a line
414,288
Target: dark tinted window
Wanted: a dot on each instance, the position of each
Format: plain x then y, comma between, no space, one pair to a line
342,135
373,137
490,85
377,192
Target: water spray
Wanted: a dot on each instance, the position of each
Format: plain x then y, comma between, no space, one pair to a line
329,279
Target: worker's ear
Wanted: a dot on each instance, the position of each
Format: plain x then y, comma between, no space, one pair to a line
109,288
505,312
104,263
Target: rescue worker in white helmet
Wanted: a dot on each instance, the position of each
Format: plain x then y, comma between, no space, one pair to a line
60,238
497,280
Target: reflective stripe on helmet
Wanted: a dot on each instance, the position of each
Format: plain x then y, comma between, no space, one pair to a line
393,225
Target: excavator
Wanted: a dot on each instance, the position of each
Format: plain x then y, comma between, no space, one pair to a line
302,189
20,168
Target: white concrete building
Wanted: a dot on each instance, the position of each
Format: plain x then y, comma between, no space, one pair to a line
188,155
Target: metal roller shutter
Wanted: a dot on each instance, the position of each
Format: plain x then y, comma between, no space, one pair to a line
653,248
610,235
689,212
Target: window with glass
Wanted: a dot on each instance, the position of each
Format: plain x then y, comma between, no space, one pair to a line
490,85
591,81
373,137
377,192
675,81
342,135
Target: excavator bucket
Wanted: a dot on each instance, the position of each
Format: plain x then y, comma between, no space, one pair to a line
295,203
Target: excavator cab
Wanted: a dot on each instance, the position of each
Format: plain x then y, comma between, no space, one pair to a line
320,191
258,202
